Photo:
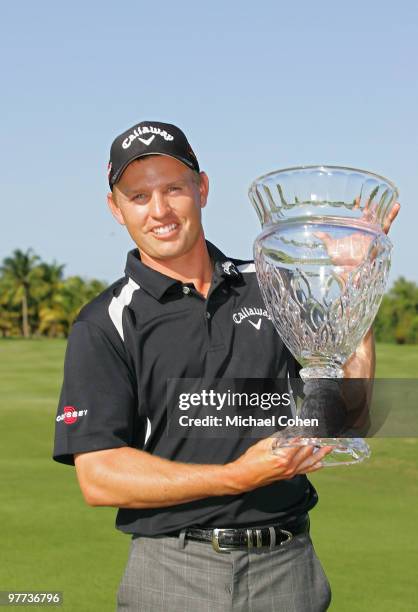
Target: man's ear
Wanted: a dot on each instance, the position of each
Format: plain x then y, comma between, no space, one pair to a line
114,208
204,189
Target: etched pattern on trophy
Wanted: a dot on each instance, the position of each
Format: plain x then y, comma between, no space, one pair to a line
323,314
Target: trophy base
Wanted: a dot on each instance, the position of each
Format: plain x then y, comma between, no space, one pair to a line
346,451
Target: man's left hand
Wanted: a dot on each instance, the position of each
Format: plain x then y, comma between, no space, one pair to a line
349,252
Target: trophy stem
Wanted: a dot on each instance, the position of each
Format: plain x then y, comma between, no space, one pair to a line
346,451
322,370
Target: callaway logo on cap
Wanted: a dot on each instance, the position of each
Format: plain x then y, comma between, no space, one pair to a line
149,138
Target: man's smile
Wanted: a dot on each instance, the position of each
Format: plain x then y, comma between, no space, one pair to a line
165,231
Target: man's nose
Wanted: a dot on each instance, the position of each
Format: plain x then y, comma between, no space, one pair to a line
159,207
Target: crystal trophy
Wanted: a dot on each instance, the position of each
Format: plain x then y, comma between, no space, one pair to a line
322,261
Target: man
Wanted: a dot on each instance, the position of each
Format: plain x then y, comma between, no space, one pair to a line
172,317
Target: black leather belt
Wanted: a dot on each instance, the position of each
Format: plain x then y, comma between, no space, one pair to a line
245,538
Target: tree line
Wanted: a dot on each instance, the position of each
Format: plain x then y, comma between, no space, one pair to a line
397,319
36,300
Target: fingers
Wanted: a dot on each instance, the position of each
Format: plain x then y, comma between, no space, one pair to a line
297,456
323,236
287,451
391,217
305,459
305,453
314,461
369,212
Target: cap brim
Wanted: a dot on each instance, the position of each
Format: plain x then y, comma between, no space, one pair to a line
118,175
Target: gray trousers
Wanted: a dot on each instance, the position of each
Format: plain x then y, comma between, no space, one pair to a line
164,574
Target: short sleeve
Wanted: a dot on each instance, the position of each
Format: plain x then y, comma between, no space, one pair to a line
98,398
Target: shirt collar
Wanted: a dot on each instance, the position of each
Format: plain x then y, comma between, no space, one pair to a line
158,284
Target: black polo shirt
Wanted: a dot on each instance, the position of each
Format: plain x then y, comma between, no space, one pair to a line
145,329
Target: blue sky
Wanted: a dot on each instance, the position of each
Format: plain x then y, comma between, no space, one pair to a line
255,85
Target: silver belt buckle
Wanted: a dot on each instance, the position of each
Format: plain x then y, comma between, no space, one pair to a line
215,542
250,544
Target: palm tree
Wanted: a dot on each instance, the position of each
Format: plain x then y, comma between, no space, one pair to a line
45,292
51,276
56,317
9,313
20,273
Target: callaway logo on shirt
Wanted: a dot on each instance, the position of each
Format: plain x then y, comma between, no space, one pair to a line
245,312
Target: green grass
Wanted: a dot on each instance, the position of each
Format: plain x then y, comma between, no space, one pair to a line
363,527
394,361
50,539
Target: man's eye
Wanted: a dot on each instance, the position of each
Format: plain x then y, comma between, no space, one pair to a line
174,188
139,197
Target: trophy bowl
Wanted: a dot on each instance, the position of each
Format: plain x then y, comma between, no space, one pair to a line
322,261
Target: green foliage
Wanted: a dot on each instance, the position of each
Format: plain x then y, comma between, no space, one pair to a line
397,319
20,273
36,299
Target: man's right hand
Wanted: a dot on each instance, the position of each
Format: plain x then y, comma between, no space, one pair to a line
131,478
259,466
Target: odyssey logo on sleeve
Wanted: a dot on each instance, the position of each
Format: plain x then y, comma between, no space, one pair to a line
70,415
